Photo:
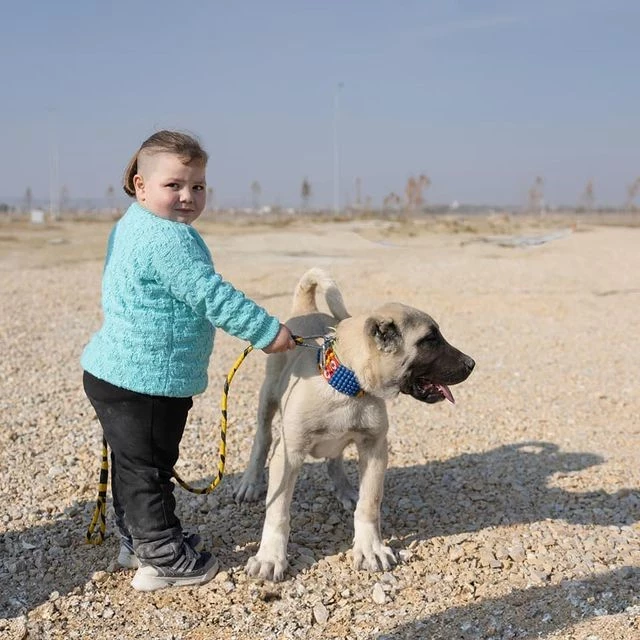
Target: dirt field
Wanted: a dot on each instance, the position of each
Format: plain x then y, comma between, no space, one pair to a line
515,513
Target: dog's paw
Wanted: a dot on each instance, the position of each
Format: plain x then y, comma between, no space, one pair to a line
272,569
373,557
250,488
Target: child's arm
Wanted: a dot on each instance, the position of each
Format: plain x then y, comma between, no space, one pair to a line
185,269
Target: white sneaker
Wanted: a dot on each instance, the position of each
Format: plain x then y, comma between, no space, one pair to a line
192,568
127,557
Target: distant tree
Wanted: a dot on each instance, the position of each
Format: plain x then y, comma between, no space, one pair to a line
410,193
392,202
28,200
358,202
587,198
111,198
424,182
632,192
256,190
413,193
536,196
211,198
64,198
305,193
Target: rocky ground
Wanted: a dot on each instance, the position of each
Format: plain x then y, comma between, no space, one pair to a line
514,513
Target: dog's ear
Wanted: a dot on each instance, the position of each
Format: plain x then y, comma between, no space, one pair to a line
385,333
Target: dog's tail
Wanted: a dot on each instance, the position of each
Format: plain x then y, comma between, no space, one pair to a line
304,297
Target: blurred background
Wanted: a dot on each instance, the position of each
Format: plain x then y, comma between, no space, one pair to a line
420,106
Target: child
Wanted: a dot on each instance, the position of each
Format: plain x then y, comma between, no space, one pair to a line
162,300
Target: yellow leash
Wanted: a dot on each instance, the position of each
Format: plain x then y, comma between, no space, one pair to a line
223,431
100,510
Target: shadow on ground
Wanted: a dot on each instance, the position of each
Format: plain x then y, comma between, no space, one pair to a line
531,613
504,486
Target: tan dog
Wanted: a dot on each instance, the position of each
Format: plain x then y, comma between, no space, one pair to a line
395,349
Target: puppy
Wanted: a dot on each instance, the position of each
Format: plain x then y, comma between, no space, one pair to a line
334,395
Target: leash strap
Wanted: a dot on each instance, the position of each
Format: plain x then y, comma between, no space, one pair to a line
223,420
223,432
100,511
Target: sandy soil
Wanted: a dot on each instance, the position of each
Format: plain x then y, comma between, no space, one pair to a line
514,513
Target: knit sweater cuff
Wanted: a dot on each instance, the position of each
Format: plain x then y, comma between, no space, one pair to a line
267,333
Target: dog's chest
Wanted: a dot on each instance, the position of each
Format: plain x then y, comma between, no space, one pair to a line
341,425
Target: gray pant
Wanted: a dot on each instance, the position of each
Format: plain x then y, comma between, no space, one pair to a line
144,434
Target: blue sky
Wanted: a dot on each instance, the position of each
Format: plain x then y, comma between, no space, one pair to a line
481,95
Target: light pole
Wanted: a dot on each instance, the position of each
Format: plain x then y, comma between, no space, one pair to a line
54,161
336,151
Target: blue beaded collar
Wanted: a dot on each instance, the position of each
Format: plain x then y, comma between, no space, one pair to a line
341,378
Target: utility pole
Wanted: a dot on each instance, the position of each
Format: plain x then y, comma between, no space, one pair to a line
54,162
336,150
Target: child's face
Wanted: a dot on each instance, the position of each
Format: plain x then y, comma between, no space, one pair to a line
171,189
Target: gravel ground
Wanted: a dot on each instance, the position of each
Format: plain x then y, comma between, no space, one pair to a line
514,513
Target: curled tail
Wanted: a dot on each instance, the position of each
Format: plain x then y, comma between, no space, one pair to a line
304,297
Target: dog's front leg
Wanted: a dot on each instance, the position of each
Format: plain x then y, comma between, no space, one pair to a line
368,550
270,563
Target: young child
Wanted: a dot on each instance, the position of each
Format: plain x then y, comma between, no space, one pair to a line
162,301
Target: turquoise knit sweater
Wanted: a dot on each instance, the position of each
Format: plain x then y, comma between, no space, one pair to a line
162,300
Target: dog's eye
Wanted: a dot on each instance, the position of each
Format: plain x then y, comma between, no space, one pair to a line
430,338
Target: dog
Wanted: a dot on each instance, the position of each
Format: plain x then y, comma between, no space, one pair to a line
333,396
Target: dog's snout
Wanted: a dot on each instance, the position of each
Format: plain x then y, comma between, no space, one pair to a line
469,363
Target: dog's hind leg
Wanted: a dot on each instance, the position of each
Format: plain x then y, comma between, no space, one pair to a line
252,484
345,492
369,552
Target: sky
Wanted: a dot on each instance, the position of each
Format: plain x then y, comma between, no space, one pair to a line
480,95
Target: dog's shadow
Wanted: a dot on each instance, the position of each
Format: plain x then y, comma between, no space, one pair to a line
508,485
511,484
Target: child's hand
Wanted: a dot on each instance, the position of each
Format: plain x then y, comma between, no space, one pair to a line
282,342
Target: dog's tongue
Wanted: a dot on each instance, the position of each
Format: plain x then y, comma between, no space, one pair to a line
446,392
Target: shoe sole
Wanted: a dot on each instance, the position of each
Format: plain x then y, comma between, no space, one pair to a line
146,579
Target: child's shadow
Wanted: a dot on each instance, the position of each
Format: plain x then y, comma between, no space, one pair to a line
39,560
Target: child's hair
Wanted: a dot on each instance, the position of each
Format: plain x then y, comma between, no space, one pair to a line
180,144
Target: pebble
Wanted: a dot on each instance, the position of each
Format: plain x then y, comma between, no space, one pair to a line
378,595
320,613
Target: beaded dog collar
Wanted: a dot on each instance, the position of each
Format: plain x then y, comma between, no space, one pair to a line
341,378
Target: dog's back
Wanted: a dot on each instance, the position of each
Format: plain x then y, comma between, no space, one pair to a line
304,297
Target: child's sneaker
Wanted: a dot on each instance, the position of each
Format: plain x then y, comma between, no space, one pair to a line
127,556
191,569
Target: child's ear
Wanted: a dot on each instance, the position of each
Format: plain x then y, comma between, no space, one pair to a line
138,183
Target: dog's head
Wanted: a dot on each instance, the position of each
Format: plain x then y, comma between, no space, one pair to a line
401,350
